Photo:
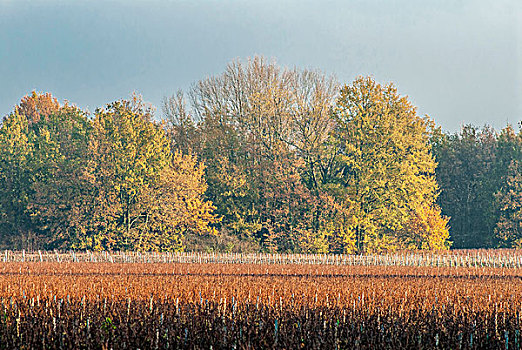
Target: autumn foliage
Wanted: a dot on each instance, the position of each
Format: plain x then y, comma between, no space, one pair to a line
107,182
297,164
258,158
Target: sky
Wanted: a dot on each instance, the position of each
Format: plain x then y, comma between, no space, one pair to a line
459,61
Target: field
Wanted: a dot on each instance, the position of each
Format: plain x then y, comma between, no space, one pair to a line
202,301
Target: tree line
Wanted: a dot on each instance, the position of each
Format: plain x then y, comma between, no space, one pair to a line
480,175
260,157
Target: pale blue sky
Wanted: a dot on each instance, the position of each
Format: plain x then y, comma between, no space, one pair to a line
459,61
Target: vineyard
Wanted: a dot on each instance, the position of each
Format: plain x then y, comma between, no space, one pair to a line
456,258
457,300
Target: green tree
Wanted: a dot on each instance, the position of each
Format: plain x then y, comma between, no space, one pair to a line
508,229
468,175
62,167
15,183
386,169
21,170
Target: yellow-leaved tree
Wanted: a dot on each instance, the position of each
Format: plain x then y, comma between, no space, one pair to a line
146,197
386,169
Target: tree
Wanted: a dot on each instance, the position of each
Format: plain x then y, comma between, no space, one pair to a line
181,128
146,198
467,173
261,131
37,106
508,229
21,172
15,182
63,176
385,169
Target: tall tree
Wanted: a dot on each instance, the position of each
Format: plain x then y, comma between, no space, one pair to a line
62,167
508,228
16,152
467,177
20,171
146,197
261,131
386,169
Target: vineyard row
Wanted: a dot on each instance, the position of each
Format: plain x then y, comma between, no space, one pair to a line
459,258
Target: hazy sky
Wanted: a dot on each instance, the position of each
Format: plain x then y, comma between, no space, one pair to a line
459,61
